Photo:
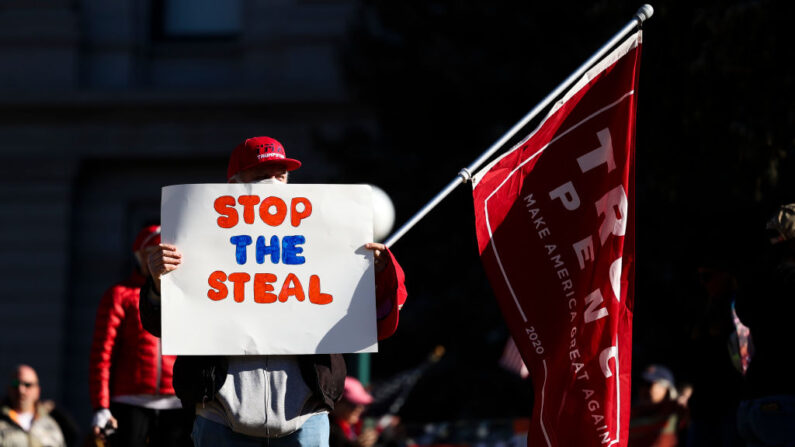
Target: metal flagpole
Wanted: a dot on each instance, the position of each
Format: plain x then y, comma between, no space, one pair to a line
465,174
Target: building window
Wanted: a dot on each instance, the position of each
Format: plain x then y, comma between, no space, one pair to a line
198,18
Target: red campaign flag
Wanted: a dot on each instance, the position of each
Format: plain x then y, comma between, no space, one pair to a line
555,222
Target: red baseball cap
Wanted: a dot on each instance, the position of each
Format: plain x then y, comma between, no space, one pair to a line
257,151
355,393
147,237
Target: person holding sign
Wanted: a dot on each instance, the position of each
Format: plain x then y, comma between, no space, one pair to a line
281,399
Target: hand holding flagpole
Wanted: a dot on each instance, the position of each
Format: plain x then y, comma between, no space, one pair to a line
465,175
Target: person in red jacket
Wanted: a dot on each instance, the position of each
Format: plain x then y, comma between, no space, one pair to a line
130,381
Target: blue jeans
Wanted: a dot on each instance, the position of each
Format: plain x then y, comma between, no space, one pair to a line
768,421
314,433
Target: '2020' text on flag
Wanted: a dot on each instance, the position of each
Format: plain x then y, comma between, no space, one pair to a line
556,233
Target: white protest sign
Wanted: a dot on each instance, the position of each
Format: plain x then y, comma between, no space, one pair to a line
268,269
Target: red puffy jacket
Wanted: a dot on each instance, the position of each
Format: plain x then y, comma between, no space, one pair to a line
125,359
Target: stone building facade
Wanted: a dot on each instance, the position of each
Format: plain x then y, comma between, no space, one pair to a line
104,102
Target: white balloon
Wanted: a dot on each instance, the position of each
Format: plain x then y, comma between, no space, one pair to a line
383,214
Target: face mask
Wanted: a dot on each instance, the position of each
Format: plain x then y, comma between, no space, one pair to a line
268,181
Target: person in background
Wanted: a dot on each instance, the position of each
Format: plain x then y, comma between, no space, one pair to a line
656,412
70,429
712,353
346,420
23,421
130,381
766,416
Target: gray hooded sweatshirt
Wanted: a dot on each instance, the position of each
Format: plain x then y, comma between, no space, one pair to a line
263,396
